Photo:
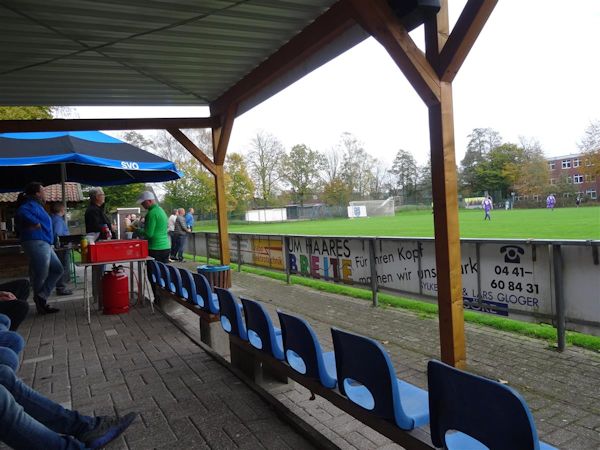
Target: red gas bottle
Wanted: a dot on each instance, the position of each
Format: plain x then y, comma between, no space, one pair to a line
115,291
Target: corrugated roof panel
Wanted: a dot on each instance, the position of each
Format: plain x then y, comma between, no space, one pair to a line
86,52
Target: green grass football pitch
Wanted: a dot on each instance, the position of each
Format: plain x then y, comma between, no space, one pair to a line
562,223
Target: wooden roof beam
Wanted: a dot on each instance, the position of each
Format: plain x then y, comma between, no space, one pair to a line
464,34
222,134
193,149
22,126
324,30
378,19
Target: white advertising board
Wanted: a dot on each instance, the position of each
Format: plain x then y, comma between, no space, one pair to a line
266,215
357,211
507,278
510,278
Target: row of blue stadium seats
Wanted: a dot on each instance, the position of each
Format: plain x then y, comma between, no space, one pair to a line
464,411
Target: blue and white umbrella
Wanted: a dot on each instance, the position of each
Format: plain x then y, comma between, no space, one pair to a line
87,157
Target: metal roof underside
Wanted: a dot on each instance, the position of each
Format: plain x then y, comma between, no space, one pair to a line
145,52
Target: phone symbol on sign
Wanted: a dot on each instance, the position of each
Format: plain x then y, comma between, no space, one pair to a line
511,254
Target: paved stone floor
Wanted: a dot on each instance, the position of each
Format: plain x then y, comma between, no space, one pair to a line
140,361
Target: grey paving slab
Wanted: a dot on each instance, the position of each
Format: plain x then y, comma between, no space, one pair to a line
140,362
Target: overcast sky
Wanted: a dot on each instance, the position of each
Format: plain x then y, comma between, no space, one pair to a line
533,72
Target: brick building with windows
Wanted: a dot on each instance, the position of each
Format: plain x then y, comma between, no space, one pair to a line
571,170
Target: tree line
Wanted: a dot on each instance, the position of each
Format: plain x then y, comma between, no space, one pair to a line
267,175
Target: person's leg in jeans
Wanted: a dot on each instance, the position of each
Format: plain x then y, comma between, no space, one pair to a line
44,270
44,410
5,322
55,273
175,247
180,247
38,253
22,432
12,340
64,256
28,420
172,238
9,358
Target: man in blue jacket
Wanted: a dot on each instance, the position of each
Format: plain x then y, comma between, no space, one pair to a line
35,231
60,228
189,219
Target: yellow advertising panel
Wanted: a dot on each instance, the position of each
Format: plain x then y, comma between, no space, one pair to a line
268,253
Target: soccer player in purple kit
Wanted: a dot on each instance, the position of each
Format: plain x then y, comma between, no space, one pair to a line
488,205
550,202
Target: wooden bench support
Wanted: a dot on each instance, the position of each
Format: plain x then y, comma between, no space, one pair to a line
211,332
247,357
258,370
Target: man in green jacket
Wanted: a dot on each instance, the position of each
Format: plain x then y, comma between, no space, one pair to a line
155,228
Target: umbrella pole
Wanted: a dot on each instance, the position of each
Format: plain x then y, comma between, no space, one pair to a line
63,179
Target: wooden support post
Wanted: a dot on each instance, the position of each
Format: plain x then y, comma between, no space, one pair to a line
222,215
431,76
445,200
220,141
447,237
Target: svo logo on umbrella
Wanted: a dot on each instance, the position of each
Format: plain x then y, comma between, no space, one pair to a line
130,165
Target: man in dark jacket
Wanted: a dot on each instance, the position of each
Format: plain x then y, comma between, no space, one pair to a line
95,216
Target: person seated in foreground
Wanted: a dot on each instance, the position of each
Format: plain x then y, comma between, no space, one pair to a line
28,420
13,301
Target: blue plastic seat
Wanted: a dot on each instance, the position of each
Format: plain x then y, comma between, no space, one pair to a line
303,351
475,413
174,280
153,272
188,286
261,332
165,278
205,298
366,376
231,314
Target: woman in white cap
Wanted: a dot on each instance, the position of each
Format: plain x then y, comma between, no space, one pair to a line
155,228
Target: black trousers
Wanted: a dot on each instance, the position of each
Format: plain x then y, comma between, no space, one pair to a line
17,309
160,255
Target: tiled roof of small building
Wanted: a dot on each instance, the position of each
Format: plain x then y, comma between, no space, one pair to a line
53,193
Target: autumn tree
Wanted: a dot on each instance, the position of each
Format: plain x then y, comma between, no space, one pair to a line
481,142
490,173
424,188
264,161
25,112
590,146
301,169
336,193
529,175
124,196
239,185
405,174
356,166
380,181
333,164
